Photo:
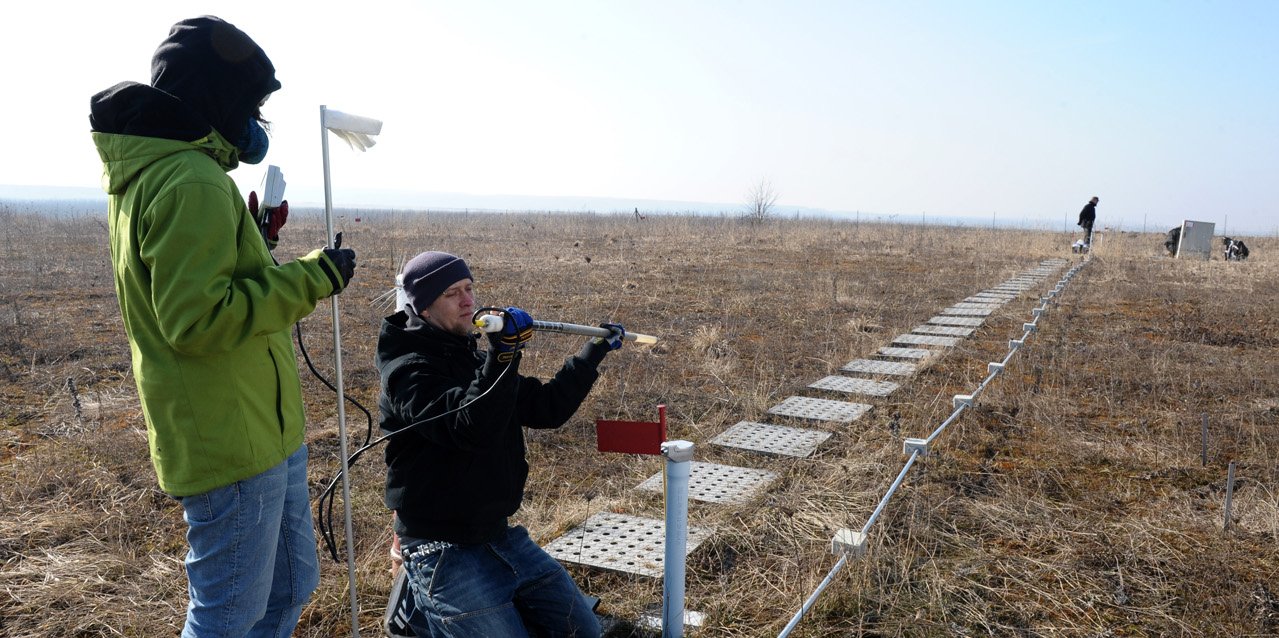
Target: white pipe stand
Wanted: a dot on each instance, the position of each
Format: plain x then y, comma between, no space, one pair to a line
678,468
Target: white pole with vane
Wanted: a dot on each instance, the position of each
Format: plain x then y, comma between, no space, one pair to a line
357,132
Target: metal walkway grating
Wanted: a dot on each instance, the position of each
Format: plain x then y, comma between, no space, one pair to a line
925,340
772,439
905,353
944,320
968,312
714,483
630,544
855,386
950,331
871,366
819,409
983,299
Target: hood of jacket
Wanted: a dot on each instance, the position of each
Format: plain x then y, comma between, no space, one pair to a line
216,70
135,125
207,79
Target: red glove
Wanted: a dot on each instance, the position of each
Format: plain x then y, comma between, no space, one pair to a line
275,221
275,218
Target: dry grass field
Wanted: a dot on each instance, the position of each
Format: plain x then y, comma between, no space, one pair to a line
1073,501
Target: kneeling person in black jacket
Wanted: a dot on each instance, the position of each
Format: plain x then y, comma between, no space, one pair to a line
458,472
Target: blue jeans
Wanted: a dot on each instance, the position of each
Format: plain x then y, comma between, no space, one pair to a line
252,563
507,588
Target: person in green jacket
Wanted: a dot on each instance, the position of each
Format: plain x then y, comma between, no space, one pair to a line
208,315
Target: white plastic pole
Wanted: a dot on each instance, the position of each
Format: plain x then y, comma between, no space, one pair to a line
678,467
494,323
337,363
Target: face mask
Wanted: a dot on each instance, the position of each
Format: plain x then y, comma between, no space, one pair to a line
253,143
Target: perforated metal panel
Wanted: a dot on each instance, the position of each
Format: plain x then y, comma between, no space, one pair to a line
715,483
819,409
905,353
772,439
950,331
855,386
945,320
968,312
985,299
989,305
871,366
1008,294
618,542
925,340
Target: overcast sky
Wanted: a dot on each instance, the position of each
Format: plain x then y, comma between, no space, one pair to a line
1012,110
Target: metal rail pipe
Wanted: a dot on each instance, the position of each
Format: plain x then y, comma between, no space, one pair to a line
843,560
883,502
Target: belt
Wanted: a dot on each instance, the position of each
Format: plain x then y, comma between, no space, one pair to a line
426,548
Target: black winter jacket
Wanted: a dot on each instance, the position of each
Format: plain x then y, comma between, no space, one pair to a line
457,477
1088,214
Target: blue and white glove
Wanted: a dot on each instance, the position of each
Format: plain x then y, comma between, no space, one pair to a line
517,330
616,334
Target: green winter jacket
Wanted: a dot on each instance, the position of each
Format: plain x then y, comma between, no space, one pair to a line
207,311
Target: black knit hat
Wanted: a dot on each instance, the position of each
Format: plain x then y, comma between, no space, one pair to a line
426,276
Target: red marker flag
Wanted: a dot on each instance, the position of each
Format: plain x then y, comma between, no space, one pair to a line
632,437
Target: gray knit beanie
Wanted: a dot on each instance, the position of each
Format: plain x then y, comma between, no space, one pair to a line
426,276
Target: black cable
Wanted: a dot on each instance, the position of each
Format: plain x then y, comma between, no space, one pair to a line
330,492
325,504
368,432
326,528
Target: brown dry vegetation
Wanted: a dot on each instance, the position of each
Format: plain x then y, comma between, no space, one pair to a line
1071,502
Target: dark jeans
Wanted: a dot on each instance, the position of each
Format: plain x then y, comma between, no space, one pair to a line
509,587
1087,232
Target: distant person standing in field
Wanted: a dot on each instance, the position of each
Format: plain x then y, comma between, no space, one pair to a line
208,314
1086,218
456,466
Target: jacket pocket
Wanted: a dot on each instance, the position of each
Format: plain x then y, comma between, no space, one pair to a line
279,394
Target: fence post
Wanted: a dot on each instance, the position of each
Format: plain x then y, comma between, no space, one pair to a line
1203,452
1230,491
678,467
